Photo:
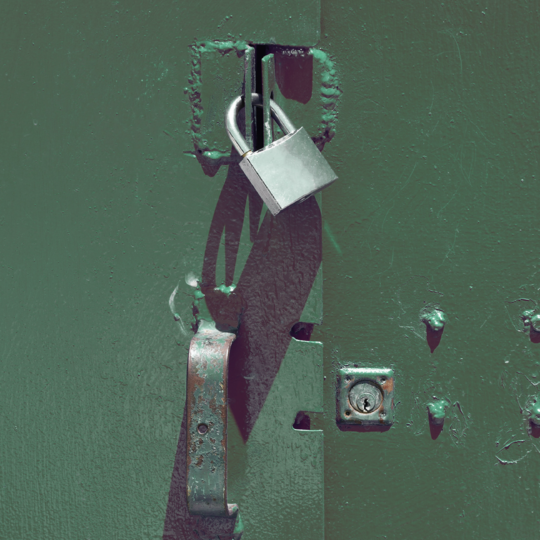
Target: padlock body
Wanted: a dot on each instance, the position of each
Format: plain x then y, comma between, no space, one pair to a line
288,170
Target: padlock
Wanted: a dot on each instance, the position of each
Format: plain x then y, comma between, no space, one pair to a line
288,170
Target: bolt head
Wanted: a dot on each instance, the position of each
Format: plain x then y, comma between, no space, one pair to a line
202,429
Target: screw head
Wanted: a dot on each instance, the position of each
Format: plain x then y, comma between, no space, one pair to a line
202,428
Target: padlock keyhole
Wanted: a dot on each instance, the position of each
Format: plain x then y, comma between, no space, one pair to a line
367,406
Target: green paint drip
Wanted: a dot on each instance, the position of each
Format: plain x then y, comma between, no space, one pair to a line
200,309
437,410
534,412
332,238
238,526
433,316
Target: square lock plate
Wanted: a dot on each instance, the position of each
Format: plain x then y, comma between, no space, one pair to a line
365,396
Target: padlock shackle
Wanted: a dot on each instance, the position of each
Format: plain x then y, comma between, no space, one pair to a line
239,142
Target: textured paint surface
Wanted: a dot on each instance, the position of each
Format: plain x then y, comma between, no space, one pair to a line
107,218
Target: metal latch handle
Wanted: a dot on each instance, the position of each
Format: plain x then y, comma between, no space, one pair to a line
238,140
208,364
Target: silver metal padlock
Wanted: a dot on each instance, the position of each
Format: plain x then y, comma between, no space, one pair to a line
286,171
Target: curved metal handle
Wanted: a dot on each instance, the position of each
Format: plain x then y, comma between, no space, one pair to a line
207,424
231,125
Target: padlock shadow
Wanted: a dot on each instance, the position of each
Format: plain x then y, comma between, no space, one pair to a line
273,287
271,293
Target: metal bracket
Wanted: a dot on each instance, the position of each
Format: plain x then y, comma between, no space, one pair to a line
207,424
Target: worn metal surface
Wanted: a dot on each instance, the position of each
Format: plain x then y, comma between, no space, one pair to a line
268,85
206,408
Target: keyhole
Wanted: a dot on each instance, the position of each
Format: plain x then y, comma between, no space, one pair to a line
366,397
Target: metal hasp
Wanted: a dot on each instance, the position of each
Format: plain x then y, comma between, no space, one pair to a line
365,396
286,171
207,424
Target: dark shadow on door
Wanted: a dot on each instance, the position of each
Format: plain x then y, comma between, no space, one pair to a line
271,294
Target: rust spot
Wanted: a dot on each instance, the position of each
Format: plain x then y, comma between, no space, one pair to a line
213,405
204,392
388,386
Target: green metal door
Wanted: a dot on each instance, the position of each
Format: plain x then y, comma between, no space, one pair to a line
122,204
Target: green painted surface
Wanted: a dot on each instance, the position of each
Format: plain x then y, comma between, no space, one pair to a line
107,219
437,202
